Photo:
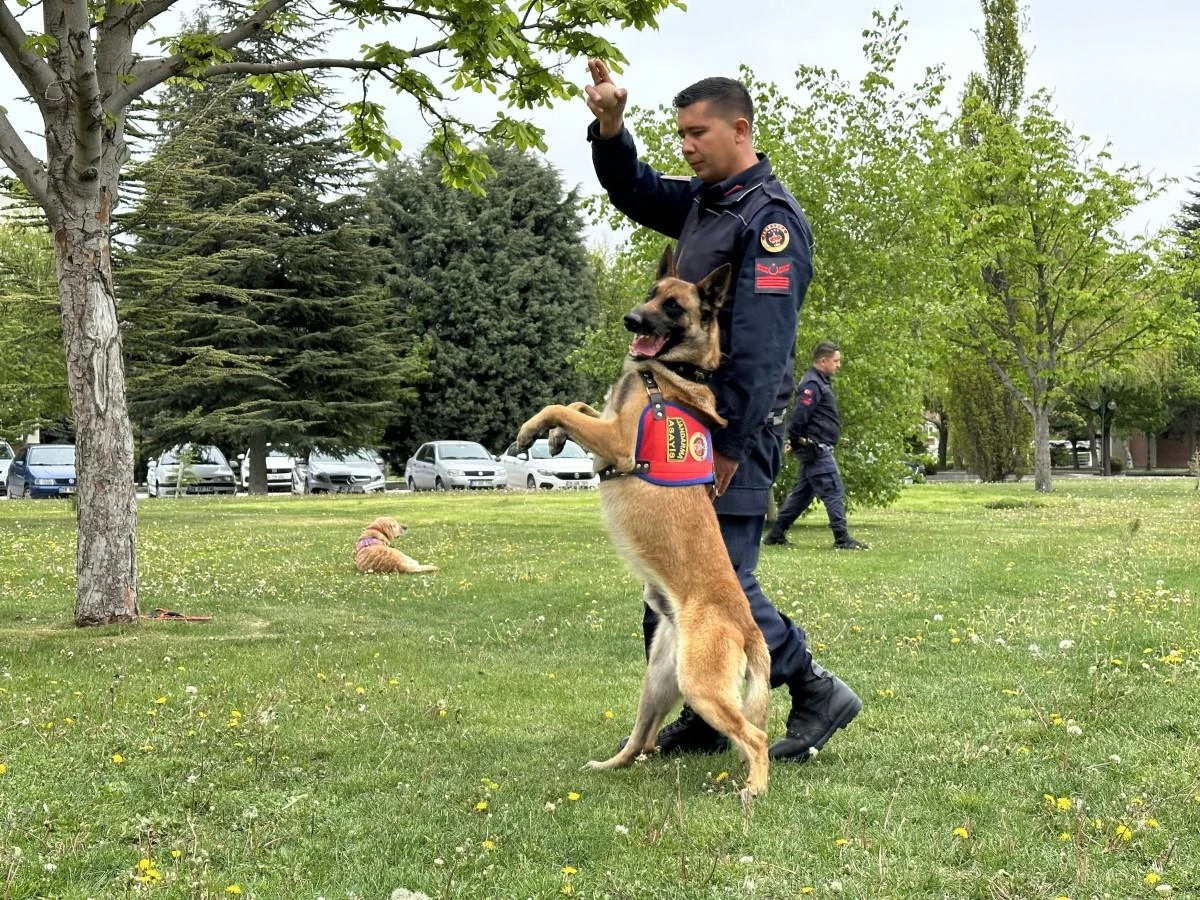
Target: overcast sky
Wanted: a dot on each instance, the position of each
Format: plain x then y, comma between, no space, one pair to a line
1125,72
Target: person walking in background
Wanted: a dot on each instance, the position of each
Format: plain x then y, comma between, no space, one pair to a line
813,431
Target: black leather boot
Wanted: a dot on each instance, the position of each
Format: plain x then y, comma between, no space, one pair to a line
821,704
687,734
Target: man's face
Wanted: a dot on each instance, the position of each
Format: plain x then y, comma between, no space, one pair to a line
830,364
710,142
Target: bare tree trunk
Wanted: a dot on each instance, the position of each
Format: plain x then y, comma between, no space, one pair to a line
1042,479
258,464
106,556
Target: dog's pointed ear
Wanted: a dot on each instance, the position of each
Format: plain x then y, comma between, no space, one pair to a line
712,289
666,265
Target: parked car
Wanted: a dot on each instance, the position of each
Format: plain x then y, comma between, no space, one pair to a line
6,456
537,468
441,465
355,471
280,466
207,471
42,470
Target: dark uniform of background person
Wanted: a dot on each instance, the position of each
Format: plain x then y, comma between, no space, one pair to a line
734,211
813,431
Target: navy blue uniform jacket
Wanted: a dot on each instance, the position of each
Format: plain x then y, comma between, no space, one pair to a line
815,413
753,223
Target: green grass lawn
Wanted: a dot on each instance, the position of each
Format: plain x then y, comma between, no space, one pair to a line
1028,666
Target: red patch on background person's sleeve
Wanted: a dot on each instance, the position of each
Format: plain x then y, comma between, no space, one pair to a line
772,277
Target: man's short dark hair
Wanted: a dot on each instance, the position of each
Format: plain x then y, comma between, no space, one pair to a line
726,96
824,350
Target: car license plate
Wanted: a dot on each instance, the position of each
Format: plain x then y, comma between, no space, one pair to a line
66,490
350,489
480,482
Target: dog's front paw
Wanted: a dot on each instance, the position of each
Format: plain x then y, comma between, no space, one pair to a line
558,440
528,434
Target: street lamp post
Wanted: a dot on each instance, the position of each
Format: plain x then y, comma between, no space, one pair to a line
1105,408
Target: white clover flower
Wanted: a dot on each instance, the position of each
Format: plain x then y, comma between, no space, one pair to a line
746,860
937,617
621,829
1066,644
1074,730
50,867
1115,760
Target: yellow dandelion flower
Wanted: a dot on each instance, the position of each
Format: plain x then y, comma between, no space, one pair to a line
1063,803
144,864
573,796
441,713
807,889
360,690
721,776
489,844
481,806
3,768
118,758
233,889
393,681
161,700
176,853
841,842
608,714
1152,878
962,833
1152,823
1124,833
570,870
1065,835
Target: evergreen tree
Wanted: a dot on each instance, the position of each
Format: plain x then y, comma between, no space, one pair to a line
250,283
33,373
988,426
501,286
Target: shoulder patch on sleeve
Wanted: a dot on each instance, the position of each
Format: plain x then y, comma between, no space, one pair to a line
775,237
675,178
772,276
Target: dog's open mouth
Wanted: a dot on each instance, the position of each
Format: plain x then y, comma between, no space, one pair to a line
647,346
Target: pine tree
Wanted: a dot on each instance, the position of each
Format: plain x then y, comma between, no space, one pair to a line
256,317
499,283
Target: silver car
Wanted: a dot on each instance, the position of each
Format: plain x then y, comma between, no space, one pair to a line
441,465
6,458
537,468
356,471
205,470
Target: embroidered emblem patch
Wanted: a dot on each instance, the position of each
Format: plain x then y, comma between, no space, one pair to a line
806,397
775,237
677,439
698,447
772,277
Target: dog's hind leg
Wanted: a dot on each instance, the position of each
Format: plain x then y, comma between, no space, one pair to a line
711,673
660,692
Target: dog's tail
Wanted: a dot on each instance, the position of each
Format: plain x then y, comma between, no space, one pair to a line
756,702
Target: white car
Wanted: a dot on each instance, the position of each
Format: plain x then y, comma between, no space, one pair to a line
442,465
572,468
355,471
280,465
6,458
207,471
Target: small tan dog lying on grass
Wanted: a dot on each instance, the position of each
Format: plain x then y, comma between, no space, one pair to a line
372,553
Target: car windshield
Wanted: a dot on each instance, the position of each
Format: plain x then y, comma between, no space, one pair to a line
200,456
463,450
360,455
570,450
54,455
273,453
5,451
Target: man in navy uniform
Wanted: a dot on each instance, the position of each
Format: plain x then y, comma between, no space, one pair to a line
733,211
813,431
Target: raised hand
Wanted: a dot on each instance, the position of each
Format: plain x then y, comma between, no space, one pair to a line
605,99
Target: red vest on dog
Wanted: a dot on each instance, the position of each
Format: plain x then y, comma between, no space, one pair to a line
675,448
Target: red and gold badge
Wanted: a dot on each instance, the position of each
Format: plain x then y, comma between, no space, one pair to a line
775,237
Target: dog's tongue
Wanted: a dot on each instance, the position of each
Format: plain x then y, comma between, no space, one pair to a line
647,345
